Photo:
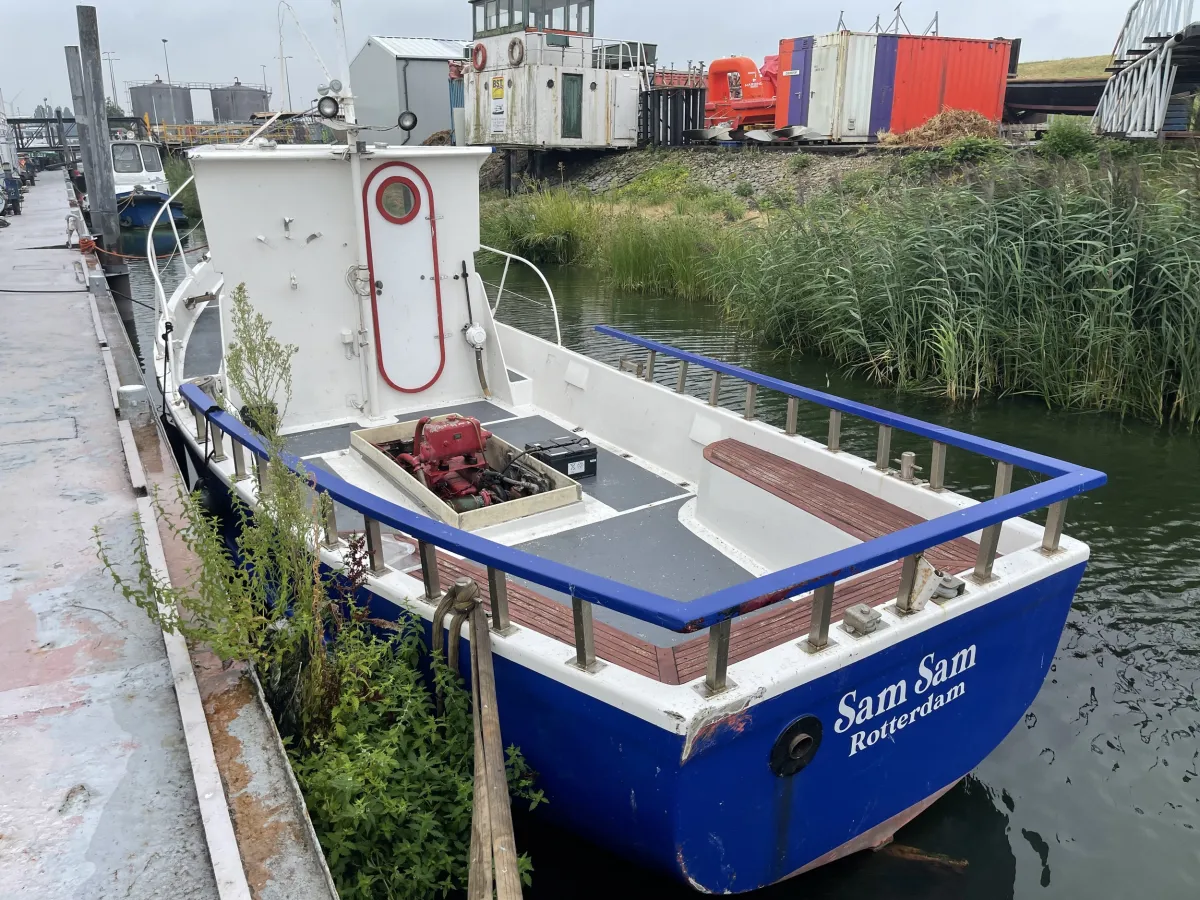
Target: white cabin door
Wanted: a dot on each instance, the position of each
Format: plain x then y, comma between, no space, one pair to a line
406,286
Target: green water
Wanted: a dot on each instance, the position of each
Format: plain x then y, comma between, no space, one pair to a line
1097,792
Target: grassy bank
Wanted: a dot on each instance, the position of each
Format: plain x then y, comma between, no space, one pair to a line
1069,274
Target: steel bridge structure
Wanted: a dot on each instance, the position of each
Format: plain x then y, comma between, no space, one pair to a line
1157,55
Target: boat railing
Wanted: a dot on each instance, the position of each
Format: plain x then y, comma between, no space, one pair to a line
160,296
509,258
717,610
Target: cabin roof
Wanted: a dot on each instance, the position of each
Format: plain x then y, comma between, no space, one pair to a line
421,48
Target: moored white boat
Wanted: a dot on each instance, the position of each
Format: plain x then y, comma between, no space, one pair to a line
727,653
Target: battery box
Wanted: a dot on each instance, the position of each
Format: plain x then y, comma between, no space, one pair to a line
574,457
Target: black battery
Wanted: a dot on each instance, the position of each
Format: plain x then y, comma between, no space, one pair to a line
574,457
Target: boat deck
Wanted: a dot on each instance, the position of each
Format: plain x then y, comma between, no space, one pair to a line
636,534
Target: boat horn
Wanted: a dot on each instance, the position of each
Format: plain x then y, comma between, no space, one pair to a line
475,334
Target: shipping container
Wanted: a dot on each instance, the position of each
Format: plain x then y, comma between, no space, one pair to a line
848,87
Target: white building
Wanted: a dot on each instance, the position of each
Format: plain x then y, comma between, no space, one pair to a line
391,75
538,77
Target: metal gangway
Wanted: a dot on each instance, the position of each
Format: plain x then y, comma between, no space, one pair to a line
1157,52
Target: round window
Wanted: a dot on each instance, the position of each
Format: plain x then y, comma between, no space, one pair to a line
398,200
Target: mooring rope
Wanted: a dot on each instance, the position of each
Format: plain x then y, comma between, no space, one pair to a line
493,844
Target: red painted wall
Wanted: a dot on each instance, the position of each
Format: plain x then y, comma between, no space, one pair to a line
933,74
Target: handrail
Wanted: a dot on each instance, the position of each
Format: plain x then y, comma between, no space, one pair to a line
1044,465
512,256
159,292
728,603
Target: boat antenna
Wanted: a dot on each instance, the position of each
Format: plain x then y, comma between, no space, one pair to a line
283,4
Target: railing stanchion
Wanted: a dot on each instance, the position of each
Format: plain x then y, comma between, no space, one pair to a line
1055,517
201,423
374,546
681,384
937,467
715,677
585,637
822,612
218,442
331,530
239,460
429,570
834,442
714,392
751,400
498,588
650,365
793,413
884,448
260,474
908,578
989,542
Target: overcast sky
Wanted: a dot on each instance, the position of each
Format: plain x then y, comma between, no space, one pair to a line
215,40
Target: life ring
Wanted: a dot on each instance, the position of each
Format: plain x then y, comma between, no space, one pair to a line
516,52
479,57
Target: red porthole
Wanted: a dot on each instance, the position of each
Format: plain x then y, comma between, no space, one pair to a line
398,200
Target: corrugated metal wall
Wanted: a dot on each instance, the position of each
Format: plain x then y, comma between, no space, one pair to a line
933,74
856,86
795,73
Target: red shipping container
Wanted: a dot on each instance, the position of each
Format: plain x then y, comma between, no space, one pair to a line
937,73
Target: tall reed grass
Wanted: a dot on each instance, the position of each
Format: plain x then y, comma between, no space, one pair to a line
1076,283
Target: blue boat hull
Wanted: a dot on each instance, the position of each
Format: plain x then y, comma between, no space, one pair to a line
139,210
708,808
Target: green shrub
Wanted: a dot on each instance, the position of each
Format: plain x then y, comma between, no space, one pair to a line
1067,138
800,161
973,150
744,189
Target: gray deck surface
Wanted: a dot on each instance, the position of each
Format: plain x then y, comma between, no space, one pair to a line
95,780
649,549
337,437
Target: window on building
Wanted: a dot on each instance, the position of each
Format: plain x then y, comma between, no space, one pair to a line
505,12
126,160
479,23
151,159
559,18
518,13
573,17
493,10
585,17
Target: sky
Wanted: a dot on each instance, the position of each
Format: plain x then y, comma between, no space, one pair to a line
216,40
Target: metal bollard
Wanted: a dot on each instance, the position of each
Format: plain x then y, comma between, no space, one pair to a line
585,638
716,672
937,467
989,541
374,547
714,392
681,384
822,612
751,399
793,413
908,466
429,570
498,588
834,442
883,448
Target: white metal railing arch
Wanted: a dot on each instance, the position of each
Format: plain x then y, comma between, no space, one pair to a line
510,258
1151,19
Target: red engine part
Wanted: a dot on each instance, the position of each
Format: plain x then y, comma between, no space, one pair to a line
448,456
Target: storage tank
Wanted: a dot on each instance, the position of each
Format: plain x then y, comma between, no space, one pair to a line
162,102
848,87
238,102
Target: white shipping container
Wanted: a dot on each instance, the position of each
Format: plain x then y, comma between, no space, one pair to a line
843,78
531,93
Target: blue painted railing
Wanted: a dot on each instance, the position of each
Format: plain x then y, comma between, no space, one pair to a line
687,616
